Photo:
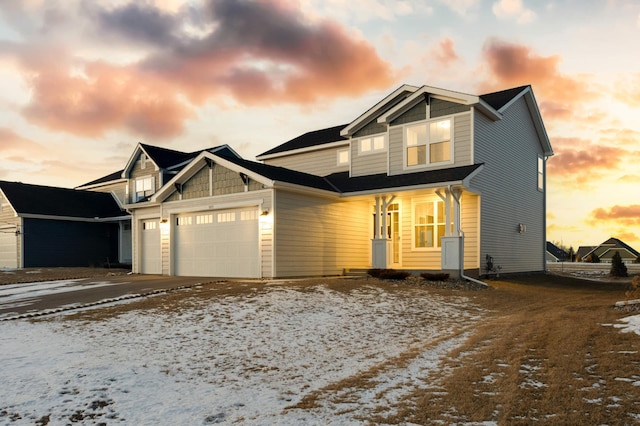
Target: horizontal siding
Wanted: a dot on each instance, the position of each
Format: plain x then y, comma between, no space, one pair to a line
370,164
316,236
440,108
117,189
416,113
321,162
462,140
9,222
509,149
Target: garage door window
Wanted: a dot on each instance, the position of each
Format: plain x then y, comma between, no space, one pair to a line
184,220
226,217
203,219
249,215
146,226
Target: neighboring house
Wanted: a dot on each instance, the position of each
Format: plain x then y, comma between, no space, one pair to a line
47,226
425,180
555,253
582,252
607,249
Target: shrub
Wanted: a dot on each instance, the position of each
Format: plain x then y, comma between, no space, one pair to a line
429,276
618,268
634,290
388,274
593,258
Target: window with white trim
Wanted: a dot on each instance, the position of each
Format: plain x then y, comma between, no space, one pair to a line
540,173
144,187
204,219
428,143
372,145
149,225
343,157
429,224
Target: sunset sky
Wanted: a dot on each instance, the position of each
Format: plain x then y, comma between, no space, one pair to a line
81,82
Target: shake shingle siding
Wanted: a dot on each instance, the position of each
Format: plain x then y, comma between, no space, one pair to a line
509,149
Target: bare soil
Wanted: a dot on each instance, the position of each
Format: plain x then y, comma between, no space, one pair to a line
545,352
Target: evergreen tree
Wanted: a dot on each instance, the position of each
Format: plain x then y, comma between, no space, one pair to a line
593,258
618,268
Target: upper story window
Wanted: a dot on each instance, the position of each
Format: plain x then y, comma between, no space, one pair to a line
372,145
429,143
144,187
540,173
343,157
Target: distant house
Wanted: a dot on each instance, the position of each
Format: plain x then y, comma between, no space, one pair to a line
607,249
582,252
48,226
555,253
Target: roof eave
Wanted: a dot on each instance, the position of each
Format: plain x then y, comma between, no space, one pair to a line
303,150
352,127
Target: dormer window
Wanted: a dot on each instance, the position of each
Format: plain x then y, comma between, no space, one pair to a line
145,187
371,145
428,143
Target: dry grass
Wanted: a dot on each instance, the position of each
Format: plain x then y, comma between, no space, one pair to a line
543,354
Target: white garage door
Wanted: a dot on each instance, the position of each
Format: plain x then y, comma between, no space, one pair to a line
8,248
151,256
220,243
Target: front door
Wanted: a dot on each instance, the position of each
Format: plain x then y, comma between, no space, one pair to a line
393,232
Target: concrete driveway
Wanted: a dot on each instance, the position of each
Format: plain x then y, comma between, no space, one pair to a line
30,298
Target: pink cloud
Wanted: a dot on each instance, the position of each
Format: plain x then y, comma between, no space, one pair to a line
622,215
444,52
510,65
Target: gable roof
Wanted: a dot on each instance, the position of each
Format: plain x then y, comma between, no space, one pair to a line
104,179
403,98
316,137
612,244
430,178
340,184
498,100
556,251
29,199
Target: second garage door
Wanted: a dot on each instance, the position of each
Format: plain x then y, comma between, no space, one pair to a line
219,243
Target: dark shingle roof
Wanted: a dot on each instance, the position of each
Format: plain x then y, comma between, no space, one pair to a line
104,179
51,201
344,183
283,175
556,251
317,137
619,243
165,157
499,99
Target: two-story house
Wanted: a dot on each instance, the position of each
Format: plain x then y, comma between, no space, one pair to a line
425,180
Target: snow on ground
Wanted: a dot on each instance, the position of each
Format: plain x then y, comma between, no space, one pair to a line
238,358
632,324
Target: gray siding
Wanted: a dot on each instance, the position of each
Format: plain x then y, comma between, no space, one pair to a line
318,236
509,149
369,164
417,113
117,189
371,128
439,108
321,162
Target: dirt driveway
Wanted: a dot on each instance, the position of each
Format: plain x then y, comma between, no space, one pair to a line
39,290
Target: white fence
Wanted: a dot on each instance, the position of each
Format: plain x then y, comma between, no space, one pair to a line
632,268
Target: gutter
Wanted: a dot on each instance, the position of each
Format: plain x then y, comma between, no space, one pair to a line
462,275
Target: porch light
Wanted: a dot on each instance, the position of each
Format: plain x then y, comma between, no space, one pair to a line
265,212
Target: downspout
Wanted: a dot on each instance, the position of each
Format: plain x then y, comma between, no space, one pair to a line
462,275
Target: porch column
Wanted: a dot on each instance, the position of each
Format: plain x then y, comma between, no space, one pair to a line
381,243
451,254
